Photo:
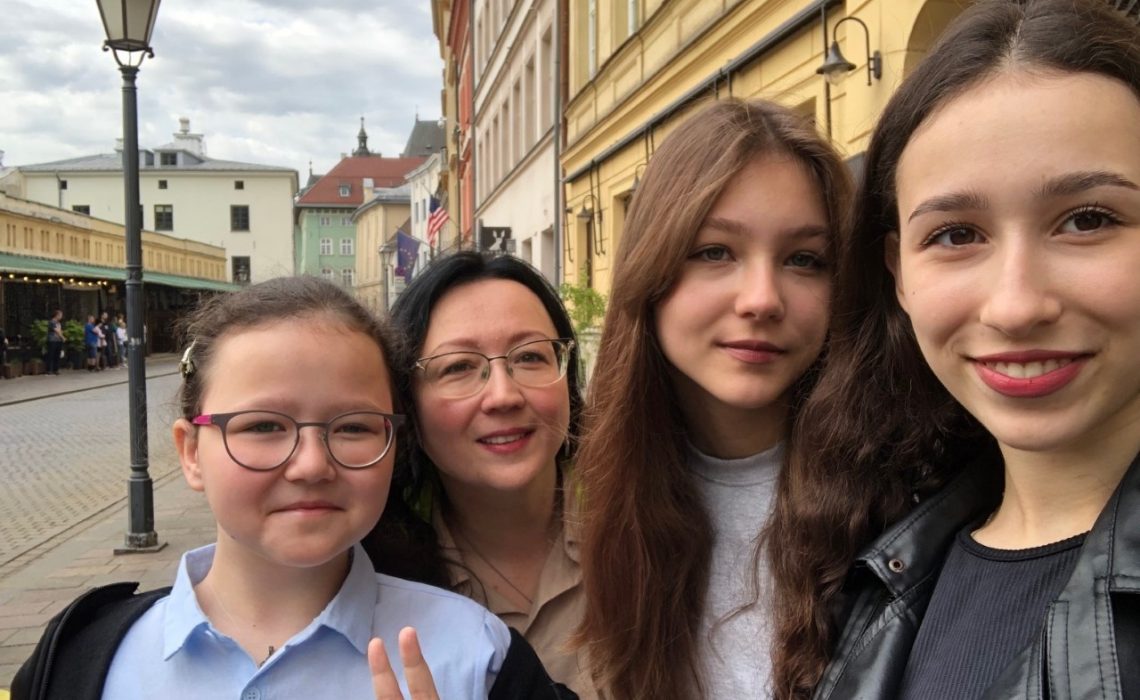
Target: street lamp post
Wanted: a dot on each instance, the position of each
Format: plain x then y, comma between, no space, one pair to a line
129,24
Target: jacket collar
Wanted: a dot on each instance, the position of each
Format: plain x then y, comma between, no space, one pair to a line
915,547
1112,548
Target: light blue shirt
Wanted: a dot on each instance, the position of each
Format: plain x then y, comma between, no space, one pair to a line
173,651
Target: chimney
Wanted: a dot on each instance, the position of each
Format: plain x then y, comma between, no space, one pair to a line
184,125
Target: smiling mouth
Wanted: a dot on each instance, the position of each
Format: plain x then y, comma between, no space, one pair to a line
1028,370
504,439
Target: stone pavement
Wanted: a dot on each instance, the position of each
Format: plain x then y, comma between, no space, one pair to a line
36,586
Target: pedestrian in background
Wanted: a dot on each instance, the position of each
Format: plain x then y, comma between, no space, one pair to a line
121,340
91,343
54,342
110,342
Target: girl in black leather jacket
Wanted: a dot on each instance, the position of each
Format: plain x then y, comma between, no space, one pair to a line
961,515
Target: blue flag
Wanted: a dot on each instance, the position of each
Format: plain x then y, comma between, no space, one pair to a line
407,252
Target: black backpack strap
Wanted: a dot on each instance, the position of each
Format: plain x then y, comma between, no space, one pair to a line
523,676
74,654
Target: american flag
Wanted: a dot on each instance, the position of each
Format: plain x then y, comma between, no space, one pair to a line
437,217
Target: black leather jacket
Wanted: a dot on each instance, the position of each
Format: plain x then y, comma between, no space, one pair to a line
1090,628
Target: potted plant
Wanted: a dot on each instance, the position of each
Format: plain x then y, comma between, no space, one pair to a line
37,332
73,343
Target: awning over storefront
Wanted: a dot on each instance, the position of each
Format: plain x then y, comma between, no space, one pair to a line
16,267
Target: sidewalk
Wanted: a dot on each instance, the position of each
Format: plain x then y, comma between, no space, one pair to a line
32,592
69,381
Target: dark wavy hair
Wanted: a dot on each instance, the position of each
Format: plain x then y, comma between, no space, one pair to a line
879,428
403,543
646,533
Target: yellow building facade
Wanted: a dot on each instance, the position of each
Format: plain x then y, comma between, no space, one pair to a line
636,68
37,231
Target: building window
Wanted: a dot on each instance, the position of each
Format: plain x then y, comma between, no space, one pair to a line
239,217
63,184
82,209
345,190
239,184
348,276
327,273
346,221
163,217
162,184
346,246
168,159
326,246
325,221
241,269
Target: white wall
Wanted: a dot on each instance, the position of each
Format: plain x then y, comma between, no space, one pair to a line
201,202
513,119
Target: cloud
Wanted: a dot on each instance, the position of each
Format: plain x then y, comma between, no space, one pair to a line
279,82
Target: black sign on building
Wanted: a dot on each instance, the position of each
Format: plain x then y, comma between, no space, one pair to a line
496,239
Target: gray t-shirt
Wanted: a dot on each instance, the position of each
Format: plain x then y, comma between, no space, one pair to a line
736,650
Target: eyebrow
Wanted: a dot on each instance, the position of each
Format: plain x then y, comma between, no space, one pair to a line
950,202
1074,183
1062,186
470,344
739,228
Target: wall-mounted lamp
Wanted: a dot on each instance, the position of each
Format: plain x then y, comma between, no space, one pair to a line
637,173
586,216
836,66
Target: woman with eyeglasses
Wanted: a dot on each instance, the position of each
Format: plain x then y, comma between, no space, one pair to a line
480,501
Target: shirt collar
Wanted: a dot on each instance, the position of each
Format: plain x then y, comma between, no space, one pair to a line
184,617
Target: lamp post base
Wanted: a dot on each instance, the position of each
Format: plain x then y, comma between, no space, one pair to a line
140,543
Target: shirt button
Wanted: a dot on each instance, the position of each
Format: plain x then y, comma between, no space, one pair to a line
251,694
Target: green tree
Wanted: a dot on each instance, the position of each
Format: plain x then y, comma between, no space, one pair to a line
586,305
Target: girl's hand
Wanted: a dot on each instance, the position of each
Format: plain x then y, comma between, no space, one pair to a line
416,671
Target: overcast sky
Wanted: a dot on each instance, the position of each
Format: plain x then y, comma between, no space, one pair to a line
277,82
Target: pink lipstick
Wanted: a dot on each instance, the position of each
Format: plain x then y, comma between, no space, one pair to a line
1029,374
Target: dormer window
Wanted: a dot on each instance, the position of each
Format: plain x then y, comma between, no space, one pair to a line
168,159
345,190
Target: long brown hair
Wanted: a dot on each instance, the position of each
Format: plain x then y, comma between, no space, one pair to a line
646,535
879,431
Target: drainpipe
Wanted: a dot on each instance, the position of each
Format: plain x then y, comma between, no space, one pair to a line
556,138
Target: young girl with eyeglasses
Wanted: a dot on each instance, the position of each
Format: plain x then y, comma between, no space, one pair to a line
717,314
961,518
483,501
293,451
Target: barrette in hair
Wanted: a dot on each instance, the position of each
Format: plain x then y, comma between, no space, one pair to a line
186,365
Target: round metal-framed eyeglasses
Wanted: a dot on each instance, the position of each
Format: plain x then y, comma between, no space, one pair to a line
264,440
534,364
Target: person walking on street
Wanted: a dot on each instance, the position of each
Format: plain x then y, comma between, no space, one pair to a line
54,342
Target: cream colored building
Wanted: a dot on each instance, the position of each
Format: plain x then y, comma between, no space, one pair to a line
245,208
514,120
636,67
385,209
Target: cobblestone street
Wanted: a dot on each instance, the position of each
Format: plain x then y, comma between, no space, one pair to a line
64,461
67,458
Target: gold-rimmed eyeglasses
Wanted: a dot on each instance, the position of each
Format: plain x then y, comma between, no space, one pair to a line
460,374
